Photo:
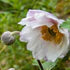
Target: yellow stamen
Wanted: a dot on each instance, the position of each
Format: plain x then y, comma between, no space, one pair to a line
58,37
51,34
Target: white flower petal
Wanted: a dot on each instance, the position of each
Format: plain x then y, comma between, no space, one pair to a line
51,51
28,33
25,34
65,42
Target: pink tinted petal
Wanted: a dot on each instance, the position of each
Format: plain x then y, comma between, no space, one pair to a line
41,19
52,21
33,12
31,19
37,20
25,21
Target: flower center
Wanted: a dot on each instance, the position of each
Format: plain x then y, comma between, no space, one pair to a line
51,34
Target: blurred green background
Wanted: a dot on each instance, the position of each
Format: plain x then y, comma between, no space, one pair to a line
16,55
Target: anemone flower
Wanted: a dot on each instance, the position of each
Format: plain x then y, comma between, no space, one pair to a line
45,38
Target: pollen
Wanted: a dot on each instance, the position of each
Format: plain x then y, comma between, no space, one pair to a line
51,34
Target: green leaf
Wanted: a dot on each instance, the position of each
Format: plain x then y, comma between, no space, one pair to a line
49,65
66,24
46,65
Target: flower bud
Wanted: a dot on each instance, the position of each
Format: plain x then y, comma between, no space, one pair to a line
7,38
